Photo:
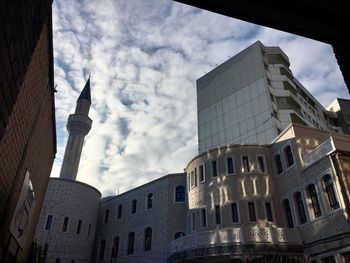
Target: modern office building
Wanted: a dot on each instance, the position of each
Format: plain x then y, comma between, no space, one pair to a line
27,121
252,97
68,218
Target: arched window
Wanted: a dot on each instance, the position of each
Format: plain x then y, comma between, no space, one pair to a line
311,190
179,234
115,247
288,155
180,193
288,213
148,239
149,200
101,253
131,242
329,188
278,163
300,207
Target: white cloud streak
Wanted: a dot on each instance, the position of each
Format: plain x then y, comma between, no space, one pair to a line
144,58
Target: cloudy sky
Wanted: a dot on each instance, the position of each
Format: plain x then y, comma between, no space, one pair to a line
144,58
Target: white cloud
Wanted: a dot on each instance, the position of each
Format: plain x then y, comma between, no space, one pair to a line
144,58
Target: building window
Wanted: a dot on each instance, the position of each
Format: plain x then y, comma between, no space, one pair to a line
193,181
329,188
269,215
48,222
179,234
180,194
261,164
245,167
79,226
288,213
289,156
115,247
120,211
195,177
131,242
329,259
311,189
58,260
300,207
204,217
193,221
133,206
101,253
234,211
148,239
106,216
252,214
278,163
65,224
230,166
201,173
217,215
149,200
214,168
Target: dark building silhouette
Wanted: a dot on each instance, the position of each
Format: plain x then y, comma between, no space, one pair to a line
27,121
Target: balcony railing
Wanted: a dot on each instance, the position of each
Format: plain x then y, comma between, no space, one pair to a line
242,235
319,152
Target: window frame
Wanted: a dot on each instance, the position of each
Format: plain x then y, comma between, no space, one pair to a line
46,227
255,212
216,214
203,172
243,170
297,207
275,164
286,156
147,244
272,211
311,201
334,190
285,215
227,165
149,200
238,213
65,226
176,193
132,212
216,168
264,163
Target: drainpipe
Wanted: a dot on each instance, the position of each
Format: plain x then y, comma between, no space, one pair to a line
343,187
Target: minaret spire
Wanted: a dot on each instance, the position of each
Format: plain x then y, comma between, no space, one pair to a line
78,125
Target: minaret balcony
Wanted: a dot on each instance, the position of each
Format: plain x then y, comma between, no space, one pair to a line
79,124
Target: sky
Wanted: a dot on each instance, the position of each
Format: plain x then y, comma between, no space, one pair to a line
144,58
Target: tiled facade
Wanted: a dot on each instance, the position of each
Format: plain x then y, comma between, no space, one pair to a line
252,97
27,122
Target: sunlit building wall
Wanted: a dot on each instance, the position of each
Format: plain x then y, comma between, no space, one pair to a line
252,97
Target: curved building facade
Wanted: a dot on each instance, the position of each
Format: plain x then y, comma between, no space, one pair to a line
68,220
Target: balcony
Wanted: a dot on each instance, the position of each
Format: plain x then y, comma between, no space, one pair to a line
324,149
238,236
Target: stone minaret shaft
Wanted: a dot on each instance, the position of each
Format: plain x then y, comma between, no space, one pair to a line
79,124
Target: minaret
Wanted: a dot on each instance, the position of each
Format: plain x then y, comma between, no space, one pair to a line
79,124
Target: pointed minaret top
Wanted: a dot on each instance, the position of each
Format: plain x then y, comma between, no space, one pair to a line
85,94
